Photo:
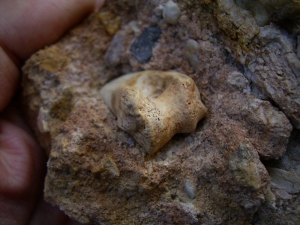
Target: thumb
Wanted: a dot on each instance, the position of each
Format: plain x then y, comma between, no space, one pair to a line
25,27
28,25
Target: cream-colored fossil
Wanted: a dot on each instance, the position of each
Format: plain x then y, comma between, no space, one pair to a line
152,106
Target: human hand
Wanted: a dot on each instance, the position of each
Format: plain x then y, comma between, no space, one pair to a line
25,27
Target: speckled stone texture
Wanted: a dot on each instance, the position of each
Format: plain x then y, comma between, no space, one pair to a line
240,166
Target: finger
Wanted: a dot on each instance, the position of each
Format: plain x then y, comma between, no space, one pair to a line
27,26
48,215
14,115
22,168
9,77
20,158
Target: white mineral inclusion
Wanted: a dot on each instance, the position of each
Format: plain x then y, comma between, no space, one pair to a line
171,12
152,106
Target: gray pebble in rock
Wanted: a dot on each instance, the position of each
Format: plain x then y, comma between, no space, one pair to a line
141,48
171,12
112,55
190,188
191,53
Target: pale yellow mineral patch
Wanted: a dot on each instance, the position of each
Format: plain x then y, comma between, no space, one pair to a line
110,22
152,106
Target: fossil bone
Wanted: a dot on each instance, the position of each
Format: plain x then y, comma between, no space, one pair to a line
152,106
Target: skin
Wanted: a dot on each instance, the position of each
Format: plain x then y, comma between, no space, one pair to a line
25,27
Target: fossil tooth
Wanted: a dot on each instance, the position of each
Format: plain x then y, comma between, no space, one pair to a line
152,106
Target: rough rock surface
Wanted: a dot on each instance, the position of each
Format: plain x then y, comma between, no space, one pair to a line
141,103
248,76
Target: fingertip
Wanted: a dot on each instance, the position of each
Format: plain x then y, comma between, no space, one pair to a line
9,78
21,161
22,171
36,23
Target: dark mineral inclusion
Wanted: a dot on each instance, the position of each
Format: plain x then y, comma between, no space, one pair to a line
141,48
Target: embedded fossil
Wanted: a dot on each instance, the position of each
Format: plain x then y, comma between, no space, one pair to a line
152,106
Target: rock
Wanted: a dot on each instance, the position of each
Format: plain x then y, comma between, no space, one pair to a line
274,77
237,80
259,11
112,55
271,125
215,175
283,12
294,63
283,200
298,48
158,11
134,26
190,188
244,168
142,47
237,23
291,160
192,53
111,22
171,12
285,187
287,181
141,103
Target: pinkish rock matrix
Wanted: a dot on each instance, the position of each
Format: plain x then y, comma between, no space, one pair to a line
240,165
